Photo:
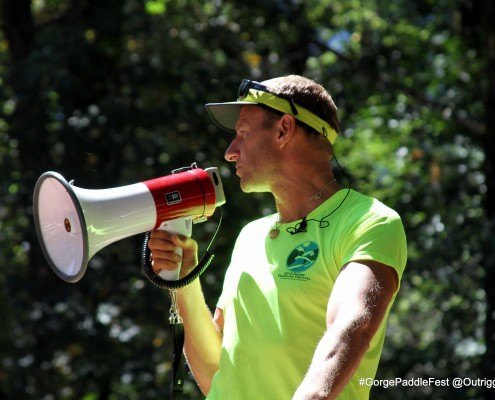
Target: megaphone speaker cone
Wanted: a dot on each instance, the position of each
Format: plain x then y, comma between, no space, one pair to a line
60,226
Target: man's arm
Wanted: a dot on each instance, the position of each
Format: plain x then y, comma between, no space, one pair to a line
357,305
203,335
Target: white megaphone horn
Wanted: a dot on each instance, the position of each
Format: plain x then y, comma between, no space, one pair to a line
73,223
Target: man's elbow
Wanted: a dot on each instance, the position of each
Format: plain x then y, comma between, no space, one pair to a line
362,337
357,333
205,381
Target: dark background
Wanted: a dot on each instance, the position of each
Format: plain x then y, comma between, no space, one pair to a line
111,93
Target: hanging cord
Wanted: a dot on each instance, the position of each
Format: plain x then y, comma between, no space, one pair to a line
177,371
186,280
175,320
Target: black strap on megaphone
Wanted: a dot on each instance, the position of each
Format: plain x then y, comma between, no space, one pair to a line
176,326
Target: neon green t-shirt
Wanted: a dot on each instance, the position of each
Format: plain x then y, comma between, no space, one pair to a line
276,292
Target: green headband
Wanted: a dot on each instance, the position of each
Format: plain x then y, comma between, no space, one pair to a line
303,115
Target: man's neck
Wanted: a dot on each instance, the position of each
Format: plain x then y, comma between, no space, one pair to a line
296,197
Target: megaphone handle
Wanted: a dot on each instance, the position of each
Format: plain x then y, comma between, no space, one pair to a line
180,226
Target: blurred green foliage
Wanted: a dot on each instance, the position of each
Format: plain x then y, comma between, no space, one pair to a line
111,93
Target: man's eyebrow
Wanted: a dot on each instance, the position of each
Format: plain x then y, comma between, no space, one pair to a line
239,125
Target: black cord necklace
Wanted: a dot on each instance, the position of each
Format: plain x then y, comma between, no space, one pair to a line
301,227
274,232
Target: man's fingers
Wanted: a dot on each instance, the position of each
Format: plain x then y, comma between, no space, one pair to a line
185,242
163,264
159,238
166,255
160,244
163,246
163,235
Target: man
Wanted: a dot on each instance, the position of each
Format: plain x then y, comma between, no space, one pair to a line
305,300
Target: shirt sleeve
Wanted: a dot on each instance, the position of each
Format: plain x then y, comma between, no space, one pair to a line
228,279
224,294
379,237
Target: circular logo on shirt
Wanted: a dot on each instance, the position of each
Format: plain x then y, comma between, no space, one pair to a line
302,257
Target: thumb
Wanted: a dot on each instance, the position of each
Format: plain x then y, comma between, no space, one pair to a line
185,242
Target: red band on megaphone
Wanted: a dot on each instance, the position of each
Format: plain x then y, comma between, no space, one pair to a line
185,194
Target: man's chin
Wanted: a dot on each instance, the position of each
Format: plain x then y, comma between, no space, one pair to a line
251,187
245,185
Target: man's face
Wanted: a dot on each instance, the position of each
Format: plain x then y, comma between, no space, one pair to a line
253,150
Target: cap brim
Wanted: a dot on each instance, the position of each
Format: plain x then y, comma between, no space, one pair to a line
225,115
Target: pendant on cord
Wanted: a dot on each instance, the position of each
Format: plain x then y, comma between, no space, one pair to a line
274,233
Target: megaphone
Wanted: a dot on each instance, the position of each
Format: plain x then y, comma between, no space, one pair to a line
73,224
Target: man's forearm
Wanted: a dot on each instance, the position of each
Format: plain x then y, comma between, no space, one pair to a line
336,358
203,340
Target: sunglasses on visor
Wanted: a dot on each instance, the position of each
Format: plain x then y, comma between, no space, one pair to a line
247,84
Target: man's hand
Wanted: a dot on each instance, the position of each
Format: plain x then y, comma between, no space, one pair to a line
163,245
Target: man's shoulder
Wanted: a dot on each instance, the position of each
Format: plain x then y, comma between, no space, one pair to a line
369,207
259,225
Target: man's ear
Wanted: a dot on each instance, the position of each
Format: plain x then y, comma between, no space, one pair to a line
286,126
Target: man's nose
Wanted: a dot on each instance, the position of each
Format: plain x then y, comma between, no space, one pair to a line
232,152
